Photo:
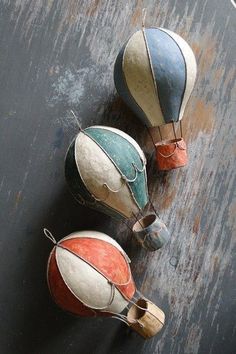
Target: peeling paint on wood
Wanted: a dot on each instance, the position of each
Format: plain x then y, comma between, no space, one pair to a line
58,55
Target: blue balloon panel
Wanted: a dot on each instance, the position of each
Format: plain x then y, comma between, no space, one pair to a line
169,71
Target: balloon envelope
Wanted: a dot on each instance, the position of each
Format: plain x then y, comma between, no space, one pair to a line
106,170
154,73
81,270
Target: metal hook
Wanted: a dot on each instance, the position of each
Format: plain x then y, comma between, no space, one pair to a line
113,190
50,236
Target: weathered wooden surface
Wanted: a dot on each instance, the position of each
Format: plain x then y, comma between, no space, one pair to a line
57,55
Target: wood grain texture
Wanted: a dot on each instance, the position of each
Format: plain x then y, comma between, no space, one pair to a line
57,55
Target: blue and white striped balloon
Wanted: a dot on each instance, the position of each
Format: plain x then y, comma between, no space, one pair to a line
155,73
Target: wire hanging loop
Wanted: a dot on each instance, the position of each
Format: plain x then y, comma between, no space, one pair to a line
171,154
109,189
77,120
140,170
50,236
125,179
144,14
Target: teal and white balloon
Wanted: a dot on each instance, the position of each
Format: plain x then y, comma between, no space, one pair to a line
106,170
155,73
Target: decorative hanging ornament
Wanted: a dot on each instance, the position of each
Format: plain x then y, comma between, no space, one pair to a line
88,275
106,170
155,73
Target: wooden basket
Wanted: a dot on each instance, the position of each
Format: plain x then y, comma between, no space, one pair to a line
151,232
146,322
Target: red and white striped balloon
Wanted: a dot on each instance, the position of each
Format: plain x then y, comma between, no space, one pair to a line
88,274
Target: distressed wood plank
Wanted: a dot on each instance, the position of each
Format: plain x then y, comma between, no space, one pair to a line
59,55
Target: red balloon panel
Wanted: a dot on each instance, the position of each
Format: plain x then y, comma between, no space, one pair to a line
106,258
60,292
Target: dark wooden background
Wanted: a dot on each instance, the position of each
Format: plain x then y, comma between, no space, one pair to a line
57,55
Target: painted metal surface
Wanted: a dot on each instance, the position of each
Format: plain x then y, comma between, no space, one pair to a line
59,55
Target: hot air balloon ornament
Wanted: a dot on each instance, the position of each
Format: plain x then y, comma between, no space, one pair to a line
106,170
88,275
154,73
